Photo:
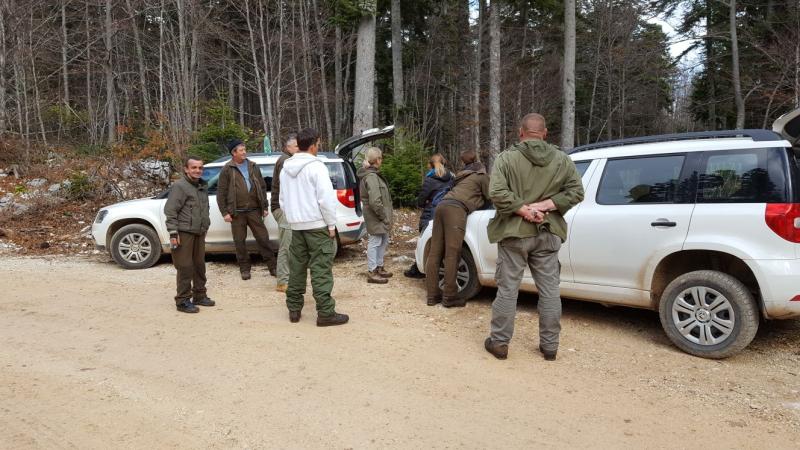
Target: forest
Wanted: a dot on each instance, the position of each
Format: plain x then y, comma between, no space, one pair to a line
163,77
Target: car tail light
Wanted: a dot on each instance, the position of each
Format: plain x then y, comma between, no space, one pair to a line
784,220
346,197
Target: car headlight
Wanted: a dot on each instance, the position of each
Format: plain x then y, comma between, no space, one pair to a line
101,215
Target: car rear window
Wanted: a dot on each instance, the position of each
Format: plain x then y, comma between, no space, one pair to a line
744,176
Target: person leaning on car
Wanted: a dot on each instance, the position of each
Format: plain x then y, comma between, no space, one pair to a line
187,222
376,203
533,185
242,201
284,231
470,191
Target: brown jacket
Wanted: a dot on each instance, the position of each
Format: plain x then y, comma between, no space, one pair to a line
275,189
231,182
470,188
186,208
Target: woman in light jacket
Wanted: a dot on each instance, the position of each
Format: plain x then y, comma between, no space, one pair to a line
377,206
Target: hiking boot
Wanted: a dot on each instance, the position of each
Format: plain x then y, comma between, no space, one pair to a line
332,320
204,302
453,303
272,271
499,350
294,316
373,277
413,272
281,287
187,307
548,355
433,301
246,275
382,272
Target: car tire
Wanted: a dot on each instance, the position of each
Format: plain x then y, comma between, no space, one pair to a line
708,314
468,285
135,246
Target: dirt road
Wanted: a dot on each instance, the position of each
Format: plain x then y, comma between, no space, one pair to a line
94,356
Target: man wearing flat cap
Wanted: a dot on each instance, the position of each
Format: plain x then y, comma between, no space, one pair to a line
242,200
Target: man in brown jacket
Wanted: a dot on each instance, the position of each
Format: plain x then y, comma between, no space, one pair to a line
186,211
470,191
242,201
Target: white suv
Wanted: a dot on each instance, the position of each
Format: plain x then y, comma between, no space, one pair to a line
703,227
135,231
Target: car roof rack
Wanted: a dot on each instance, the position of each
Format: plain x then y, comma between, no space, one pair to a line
754,134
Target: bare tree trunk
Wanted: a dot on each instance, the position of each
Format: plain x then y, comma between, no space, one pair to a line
323,77
256,68
64,72
3,113
397,57
495,126
269,127
111,114
337,67
36,96
229,69
711,65
161,67
241,100
568,107
365,71
140,60
737,83
476,82
91,126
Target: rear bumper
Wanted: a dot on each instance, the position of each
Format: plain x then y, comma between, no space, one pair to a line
778,280
353,232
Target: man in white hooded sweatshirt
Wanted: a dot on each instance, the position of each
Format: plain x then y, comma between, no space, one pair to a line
308,200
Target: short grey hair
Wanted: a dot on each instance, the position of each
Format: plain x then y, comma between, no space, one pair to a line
290,138
373,154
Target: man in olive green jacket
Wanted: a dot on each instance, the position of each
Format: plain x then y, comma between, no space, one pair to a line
470,191
284,230
376,203
242,201
187,222
533,185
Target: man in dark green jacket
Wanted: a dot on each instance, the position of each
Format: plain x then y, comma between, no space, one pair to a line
187,222
242,201
470,191
533,185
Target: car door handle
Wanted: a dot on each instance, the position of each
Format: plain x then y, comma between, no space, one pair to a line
663,223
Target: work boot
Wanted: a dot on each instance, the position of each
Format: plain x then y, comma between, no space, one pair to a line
453,303
373,277
272,271
433,301
204,302
413,272
382,272
245,275
499,350
332,320
548,355
187,307
294,316
281,287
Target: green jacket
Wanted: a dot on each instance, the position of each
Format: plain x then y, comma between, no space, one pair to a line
275,189
470,187
187,207
227,187
528,172
376,201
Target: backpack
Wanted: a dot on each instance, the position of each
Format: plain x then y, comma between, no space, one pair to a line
439,195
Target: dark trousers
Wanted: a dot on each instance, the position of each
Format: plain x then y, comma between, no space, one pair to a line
311,250
449,223
255,221
190,261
